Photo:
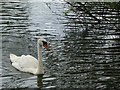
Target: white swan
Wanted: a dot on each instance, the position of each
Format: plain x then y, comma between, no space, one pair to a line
28,63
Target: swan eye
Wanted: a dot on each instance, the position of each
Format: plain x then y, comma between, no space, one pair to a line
45,44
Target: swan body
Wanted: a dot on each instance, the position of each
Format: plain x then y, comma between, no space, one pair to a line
25,63
28,63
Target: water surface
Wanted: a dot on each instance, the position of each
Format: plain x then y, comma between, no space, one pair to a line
79,57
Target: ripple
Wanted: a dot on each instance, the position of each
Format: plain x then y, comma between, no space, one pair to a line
104,78
50,87
81,55
49,79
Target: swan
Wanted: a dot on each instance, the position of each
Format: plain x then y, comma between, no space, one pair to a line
28,63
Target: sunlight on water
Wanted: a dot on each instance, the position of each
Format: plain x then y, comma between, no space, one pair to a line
19,29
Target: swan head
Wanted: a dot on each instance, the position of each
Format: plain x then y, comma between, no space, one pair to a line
42,42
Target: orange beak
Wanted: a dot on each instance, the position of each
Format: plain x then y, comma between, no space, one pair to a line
45,45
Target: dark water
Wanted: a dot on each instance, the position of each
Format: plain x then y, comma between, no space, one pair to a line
80,57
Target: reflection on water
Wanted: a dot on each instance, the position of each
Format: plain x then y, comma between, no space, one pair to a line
84,52
39,81
90,46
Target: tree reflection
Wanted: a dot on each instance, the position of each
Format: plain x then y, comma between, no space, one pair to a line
92,42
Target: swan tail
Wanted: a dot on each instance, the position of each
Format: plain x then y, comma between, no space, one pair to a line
16,66
13,58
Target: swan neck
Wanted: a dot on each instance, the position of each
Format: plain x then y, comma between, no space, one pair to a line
40,63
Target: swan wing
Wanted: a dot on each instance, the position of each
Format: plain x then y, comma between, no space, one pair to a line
25,63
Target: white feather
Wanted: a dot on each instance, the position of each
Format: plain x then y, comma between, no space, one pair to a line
25,63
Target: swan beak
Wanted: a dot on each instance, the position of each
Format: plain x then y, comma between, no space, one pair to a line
45,46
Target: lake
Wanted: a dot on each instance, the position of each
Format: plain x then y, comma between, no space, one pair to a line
85,54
